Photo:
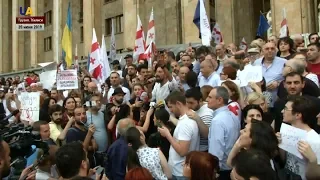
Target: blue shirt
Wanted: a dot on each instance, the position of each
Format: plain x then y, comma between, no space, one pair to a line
223,133
100,135
213,80
272,73
117,160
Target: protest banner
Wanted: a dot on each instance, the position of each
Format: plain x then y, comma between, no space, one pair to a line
290,137
250,74
48,78
30,103
67,79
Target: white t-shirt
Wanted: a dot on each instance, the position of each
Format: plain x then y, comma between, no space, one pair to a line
206,115
186,130
297,165
160,93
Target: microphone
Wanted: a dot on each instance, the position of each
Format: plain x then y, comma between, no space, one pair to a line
15,112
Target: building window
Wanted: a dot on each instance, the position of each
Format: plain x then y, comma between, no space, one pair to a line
81,34
118,25
107,1
48,17
212,2
47,44
81,5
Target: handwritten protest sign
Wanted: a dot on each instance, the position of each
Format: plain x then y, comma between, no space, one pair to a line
250,74
290,137
67,79
30,103
48,78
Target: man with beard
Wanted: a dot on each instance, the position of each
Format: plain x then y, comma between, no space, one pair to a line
131,73
72,161
96,118
57,134
313,58
200,113
81,132
294,84
185,137
118,96
115,83
165,83
175,67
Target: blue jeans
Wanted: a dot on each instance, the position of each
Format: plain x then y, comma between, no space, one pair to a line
179,178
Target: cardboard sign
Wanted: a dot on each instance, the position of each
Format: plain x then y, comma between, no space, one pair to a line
30,106
67,79
250,74
290,137
48,78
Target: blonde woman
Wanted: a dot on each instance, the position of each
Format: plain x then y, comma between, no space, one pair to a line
258,99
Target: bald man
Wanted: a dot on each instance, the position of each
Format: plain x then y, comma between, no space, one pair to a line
220,51
208,74
232,48
92,87
118,152
182,78
271,69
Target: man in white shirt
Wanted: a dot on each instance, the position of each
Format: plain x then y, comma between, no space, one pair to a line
208,76
115,82
185,137
165,84
299,112
220,51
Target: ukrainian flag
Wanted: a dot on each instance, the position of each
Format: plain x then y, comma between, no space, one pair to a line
67,40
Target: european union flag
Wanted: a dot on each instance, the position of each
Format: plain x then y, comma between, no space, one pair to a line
263,25
196,18
88,62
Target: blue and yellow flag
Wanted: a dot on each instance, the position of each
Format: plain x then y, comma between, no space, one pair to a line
67,40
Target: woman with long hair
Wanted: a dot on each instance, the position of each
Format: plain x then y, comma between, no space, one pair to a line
69,105
44,110
257,135
161,119
201,165
150,158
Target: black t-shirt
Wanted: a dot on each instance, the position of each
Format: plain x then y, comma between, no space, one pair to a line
310,88
76,134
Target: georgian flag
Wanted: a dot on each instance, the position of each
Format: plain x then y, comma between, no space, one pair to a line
284,30
216,34
139,45
243,45
95,68
151,34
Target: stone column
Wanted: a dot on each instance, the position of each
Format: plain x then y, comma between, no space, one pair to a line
56,30
1,39
6,41
297,16
15,42
190,32
97,24
130,24
88,22
225,18
21,44
33,37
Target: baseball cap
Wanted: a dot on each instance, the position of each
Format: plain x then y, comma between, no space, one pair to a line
253,50
128,56
118,90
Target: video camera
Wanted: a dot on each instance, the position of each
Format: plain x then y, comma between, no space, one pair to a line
20,140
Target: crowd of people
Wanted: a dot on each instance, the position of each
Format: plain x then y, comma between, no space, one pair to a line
184,117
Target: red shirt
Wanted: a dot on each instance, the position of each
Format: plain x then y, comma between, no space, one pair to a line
314,68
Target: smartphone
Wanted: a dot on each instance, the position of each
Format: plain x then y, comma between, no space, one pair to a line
100,171
158,124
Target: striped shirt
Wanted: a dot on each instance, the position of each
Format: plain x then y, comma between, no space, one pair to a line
206,115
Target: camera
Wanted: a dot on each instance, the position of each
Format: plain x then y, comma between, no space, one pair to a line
20,140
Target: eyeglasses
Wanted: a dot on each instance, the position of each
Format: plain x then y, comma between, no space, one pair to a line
287,109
